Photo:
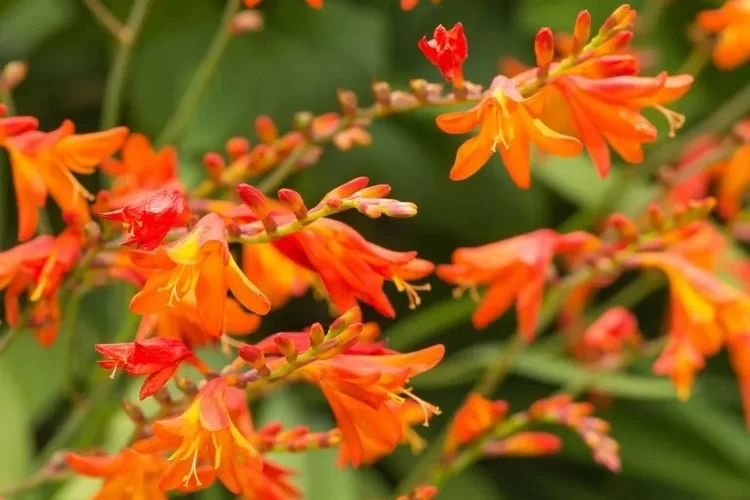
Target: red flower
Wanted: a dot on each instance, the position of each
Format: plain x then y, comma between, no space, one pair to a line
447,50
149,218
157,357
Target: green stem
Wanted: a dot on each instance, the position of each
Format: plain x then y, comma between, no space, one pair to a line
15,331
71,320
33,481
186,107
113,93
108,21
284,170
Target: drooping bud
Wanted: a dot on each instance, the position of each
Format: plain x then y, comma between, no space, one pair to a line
581,32
256,200
255,358
317,333
237,147
266,129
163,398
544,49
286,346
246,21
348,102
294,201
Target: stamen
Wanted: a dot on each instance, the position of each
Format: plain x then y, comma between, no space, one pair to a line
415,441
114,371
428,409
459,291
217,452
411,291
674,119
44,276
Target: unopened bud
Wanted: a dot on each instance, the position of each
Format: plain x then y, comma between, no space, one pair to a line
371,210
348,188
293,200
266,129
544,49
622,18
348,102
656,219
303,122
581,31
524,444
615,44
353,315
376,191
246,21
237,147
134,412
286,346
399,209
381,92
317,333
214,164
253,198
253,355
13,74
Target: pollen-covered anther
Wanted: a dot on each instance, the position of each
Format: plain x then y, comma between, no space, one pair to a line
674,119
411,291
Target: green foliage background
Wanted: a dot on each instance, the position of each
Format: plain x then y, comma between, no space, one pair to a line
696,450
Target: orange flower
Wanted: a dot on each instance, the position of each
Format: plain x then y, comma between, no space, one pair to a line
734,181
278,277
706,314
365,392
732,23
198,263
694,187
515,269
44,162
606,111
128,475
182,322
508,123
473,419
351,268
38,267
203,435
141,170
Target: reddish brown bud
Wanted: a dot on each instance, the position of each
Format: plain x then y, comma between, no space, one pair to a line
294,201
266,129
214,164
317,333
581,31
253,355
256,200
544,49
286,346
348,102
246,21
419,89
381,92
237,147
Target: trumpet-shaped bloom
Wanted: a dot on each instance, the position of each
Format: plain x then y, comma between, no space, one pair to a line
207,444
606,111
732,24
278,277
351,268
514,269
198,263
141,170
365,392
473,419
734,181
706,314
508,124
158,358
128,475
447,50
148,219
44,163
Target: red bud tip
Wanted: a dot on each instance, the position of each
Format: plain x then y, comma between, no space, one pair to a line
348,188
237,147
253,355
251,3
253,198
246,21
581,31
525,444
266,129
316,334
376,191
294,201
353,315
544,47
286,346
214,164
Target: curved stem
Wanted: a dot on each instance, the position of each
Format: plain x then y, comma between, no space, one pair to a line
71,320
185,108
284,170
115,86
33,481
108,21
15,331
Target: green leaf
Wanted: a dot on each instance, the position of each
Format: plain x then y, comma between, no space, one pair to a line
25,24
472,484
545,367
15,433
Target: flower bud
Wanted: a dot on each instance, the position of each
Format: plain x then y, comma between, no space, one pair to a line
348,102
370,209
294,201
348,188
266,129
134,412
376,191
253,356
286,346
581,31
399,209
317,333
524,444
13,74
419,89
353,315
544,49
381,92
246,21
237,147
302,121
214,164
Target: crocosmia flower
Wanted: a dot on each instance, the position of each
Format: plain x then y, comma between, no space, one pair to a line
508,124
158,358
473,419
277,276
149,219
45,163
447,50
198,263
129,475
206,444
514,269
732,24
351,268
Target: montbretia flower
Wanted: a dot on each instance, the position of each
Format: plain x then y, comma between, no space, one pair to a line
508,124
524,444
606,111
351,268
473,419
182,322
129,475
141,170
705,314
158,358
206,442
44,163
365,392
733,181
38,267
149,218
515,269
695,186
277,276
612,332
732,24
447,50
198,263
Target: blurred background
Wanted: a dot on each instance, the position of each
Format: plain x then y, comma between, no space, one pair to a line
695,450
